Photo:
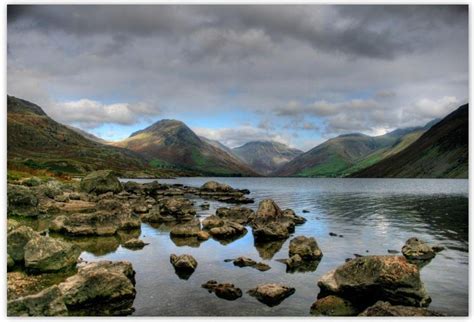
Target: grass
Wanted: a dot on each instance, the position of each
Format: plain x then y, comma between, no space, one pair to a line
333,168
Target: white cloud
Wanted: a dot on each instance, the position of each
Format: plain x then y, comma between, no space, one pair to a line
91,114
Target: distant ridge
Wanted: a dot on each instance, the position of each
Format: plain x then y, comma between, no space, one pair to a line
266,156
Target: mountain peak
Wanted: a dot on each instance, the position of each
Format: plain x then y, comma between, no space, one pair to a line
164,125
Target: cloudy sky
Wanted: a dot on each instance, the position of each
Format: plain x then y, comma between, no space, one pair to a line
295,74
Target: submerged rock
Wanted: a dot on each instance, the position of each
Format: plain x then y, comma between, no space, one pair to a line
134,243
297,264
271,294
48,302
333,306
17,240
184,265
21,201
386,309
226,291
248,262
101,181
46,254
365,280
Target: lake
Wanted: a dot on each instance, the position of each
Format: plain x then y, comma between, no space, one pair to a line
373,215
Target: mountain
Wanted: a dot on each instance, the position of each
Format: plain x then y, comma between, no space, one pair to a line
266,156
441,152
35,141
347,153
218,145
87,135
170,143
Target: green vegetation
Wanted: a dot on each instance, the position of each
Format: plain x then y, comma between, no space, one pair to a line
331,168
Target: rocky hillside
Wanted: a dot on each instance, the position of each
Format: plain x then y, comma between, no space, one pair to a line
266,156
441,152
170,143
36,141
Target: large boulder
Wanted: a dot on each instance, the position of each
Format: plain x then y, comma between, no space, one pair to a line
271,294
99,282
17,240
21,201
365,280
272,230
333,306
240,215
386,309
271,223
417,250
212,221
101,181
306,247
110,217
47,254
48,302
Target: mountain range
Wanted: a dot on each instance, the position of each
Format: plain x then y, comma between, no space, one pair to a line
170,147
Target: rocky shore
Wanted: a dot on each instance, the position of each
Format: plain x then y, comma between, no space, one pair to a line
47,277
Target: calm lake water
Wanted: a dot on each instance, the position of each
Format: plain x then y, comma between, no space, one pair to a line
373,215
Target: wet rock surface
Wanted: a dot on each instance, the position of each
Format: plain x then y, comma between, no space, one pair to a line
365,280
227,291
306,247
386,309
99,283
184,265
134,243
271,294
240,215
48,302
333,306
110,217
417,250
46,254
271,223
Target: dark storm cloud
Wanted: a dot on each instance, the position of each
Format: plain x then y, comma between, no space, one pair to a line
350,68
369,31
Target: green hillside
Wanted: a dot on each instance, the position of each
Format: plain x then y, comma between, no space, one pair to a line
441,152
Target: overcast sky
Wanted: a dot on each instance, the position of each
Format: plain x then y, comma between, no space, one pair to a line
295,74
